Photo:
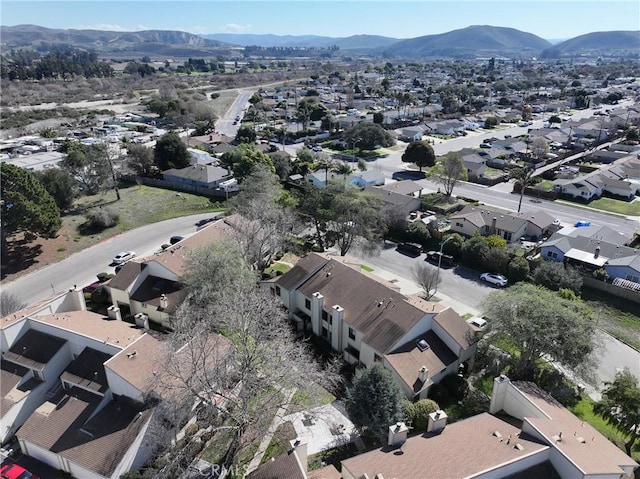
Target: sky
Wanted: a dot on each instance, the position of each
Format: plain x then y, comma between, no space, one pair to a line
549,19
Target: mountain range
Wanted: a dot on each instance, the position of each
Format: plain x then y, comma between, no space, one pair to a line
470,42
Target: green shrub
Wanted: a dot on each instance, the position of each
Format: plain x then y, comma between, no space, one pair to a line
456,385
102,277
102,218
100,296
418,413
439,394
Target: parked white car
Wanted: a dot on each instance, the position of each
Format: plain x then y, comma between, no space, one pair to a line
123,257
496,279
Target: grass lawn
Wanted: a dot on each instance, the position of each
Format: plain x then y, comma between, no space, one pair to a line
584,411
617,316
368,269
221,104
282,267
313,397
617,206
332,456
280,442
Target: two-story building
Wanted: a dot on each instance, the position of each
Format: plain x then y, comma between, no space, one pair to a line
367,321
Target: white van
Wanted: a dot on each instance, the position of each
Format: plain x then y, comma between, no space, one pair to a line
478,322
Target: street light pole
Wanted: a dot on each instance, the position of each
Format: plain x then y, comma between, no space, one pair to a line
439,263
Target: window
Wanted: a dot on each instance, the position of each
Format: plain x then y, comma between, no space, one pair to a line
278,290
325,315
352,334
325,333
459,225
377,358
307,303
144,305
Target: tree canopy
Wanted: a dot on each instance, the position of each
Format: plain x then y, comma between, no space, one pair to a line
89,164
449,171
620,404
556,276
244,158
374,401
171,152
367,136
541,323
26,205
60,185
420,153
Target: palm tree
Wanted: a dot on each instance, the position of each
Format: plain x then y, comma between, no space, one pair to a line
524,178
343,169
325,163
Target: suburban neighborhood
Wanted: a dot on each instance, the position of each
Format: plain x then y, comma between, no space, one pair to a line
323,261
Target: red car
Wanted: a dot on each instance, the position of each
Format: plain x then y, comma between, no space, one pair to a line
14,471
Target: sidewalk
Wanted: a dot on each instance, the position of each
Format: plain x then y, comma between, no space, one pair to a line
266,440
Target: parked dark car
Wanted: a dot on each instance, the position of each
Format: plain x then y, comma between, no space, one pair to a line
440,258
411,249
175,239
206,220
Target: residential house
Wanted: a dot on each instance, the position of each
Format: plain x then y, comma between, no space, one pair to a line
526,433
367,178
413,133
401,204
406,187
369,322
591,253
476,166
58,398
151,288
202,176
200,157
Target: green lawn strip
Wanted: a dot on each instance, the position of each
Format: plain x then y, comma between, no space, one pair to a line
282,267
332,456
584,411
280,442
616,206
312,397
618,316
368,269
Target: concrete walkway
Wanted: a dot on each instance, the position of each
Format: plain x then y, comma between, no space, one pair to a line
277,420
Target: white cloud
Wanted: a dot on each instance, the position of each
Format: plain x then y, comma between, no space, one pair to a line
235,28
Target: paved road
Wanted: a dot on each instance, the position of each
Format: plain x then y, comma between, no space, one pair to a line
461,289
237,109
81,268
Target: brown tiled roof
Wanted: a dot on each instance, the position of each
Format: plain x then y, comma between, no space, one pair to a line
301,271
10,376
462,449
126,276
12,318
87,370
408,359
175,257
326,472
92,325
578,441
381,314
97,444
34,349
153,287
458,328
137,363
285,466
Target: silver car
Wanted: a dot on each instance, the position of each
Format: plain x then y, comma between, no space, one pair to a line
496,279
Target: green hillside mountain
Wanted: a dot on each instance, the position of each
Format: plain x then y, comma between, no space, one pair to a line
619,43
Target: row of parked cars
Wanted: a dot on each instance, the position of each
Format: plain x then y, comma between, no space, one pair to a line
446,260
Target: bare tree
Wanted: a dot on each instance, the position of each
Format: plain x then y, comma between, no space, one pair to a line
449,171
264,220
10,303
233,361
539,147
428,278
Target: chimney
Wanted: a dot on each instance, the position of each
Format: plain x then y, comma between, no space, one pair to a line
114,313
164,303
423,374
142,320
299,448
493,225
397,434
437,421
597,252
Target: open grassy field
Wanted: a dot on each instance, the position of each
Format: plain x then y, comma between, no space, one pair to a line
138,206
